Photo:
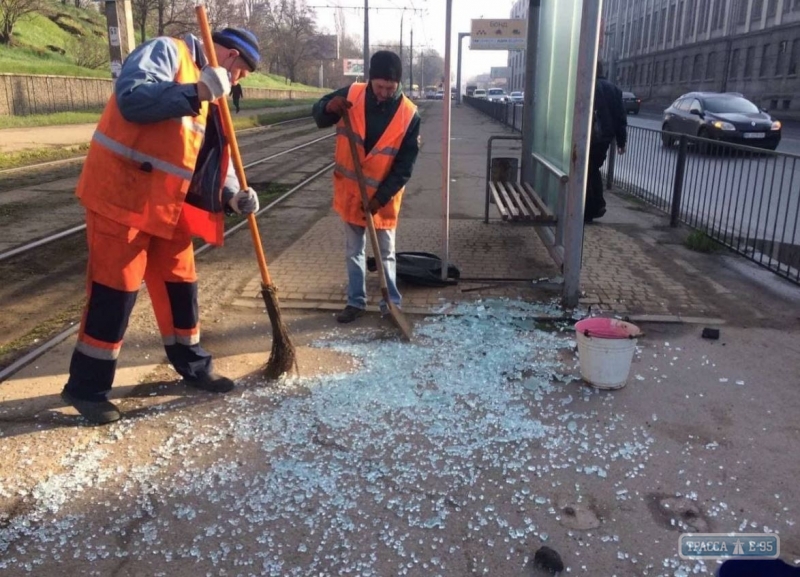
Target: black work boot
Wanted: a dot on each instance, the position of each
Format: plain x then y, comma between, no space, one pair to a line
349,314
211,382
96,412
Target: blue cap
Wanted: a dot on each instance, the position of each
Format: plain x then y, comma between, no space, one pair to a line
242,40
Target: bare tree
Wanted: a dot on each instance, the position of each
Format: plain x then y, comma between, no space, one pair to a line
10,13
141,11
291,27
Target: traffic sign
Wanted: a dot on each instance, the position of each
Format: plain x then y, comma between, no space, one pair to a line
508,34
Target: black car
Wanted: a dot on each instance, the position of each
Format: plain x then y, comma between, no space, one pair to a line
631,103
727,117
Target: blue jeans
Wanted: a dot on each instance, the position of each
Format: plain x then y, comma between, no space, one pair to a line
356,242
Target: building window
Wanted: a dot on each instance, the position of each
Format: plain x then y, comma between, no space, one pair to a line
733,72
648,38
690,19
703,24
671,23
741,17
780,61
750,56
794,60
679,34
755,13
773,104
711,66
762,71
662,26
772,8
685,69
720,8
659,73
697,67
786,104
668,71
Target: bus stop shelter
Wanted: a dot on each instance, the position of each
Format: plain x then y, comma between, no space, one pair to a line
562,48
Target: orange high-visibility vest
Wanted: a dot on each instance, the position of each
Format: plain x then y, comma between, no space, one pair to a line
376,165
139,174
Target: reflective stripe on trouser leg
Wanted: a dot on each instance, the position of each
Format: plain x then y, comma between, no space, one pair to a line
117,257
355,243
172,286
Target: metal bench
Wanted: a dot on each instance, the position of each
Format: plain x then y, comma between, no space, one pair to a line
515,201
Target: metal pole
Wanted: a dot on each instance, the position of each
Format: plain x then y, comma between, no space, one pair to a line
531,52
677,185
114,44
402,14
458,69
411,63
366,40
321,76
446,143
612,161
579,159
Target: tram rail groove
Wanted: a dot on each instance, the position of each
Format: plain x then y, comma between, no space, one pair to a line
54,341
16,251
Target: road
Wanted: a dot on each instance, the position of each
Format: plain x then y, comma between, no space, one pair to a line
750,201
790,139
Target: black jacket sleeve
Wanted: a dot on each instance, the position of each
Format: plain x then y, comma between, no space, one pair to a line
403,165
620,119
322,118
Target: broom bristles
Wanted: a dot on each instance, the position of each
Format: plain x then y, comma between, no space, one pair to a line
282,358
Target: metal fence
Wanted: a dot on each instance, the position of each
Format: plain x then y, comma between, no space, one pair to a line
745,198
509,113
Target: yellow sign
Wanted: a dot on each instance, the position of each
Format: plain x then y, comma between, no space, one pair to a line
510,34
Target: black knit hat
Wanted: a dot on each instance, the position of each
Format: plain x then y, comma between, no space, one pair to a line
242,40
385,65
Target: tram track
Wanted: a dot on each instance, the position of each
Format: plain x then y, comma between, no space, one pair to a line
51,269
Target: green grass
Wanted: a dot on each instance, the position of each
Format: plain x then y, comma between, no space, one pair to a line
699,241
261,80
243,122
246,104
55,119
37,155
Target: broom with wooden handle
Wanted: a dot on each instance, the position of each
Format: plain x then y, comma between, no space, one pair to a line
394,312
282,358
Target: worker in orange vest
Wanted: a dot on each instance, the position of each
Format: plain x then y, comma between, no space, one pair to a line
386,124
157,174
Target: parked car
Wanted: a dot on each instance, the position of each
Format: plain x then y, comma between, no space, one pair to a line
496,95
479,93
440,95
516,97
727,117
631,103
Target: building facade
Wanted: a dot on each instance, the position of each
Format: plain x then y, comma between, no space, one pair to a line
516,59
660,49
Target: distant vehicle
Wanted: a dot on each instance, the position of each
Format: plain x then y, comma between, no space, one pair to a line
719,116
516,97
471,89
631,103
479,93
439,95
430,92
496,95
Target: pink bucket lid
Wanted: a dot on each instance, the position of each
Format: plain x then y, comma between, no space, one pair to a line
605,328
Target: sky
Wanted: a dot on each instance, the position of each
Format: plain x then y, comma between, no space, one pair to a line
428,22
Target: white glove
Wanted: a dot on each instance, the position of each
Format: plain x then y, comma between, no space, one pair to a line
244,202
215,80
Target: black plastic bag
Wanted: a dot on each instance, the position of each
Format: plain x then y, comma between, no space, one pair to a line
421,268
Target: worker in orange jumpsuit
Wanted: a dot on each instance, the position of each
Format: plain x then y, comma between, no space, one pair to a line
156,175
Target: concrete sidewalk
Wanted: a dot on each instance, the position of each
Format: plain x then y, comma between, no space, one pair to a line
17,139
460,453
634,263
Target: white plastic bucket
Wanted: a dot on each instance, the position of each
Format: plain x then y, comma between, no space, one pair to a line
605,348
